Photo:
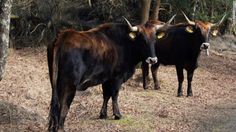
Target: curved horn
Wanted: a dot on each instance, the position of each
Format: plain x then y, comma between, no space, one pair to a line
189,21
217,24
159,26
132,28
172,18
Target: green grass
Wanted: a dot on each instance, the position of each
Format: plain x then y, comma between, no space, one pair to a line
126,120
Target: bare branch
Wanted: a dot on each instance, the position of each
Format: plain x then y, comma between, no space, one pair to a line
90,3
41,24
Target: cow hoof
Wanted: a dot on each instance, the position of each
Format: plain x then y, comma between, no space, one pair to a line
190,95
180,94
117,116
145,87
103,116
157,88
53,129
60,130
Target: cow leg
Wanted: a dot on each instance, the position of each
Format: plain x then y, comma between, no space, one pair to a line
106,96
54,113
60,106
154,69
111,89
190,77
145,72
66,97
115,93
180,76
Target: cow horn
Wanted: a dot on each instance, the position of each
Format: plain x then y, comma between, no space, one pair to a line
217,24
158,26
172,18
132,28
165,24
189,21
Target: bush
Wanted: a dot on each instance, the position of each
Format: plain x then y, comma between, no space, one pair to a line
36,21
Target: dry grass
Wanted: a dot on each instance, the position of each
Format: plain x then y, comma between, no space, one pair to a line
25,95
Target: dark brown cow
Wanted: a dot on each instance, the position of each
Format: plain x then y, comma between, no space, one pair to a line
104,55
180,45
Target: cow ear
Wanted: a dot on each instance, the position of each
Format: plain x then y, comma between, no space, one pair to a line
189,29
160,35
214,32
132,35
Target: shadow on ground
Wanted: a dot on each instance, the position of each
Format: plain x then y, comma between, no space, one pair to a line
16,118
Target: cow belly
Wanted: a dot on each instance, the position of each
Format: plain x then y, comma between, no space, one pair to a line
102,76
93,77
88,83
167,60
174,58
91,81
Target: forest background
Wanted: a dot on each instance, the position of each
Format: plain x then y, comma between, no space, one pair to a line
35,22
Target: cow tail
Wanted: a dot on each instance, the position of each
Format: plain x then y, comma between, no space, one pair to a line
53,52
53,57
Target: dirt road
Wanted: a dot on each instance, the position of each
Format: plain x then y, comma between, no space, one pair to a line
25,95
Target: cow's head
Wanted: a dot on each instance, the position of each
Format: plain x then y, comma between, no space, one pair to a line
207,29
142,36
161,28
145,37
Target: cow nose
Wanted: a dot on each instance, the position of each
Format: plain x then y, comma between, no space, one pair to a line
151,60
205,45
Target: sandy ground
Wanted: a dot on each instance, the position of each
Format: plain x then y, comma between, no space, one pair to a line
25,94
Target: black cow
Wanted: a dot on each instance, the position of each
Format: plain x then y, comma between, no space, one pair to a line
104,55
180,45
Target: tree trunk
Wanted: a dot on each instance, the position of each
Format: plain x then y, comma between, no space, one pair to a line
195,9
234,13
155,13
234,19
145,8
5,12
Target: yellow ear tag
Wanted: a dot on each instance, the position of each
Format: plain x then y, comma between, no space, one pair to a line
132,35
214,32
189,29
160,35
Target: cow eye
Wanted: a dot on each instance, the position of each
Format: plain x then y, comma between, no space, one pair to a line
132,35
189,29
160,35
214,32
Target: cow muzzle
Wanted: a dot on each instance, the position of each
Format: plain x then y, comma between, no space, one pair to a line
205,46
151,60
